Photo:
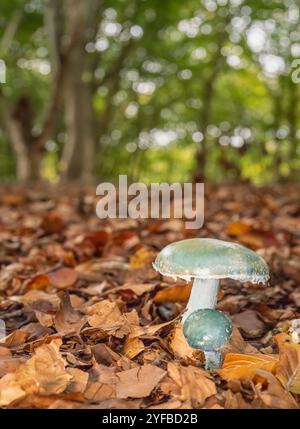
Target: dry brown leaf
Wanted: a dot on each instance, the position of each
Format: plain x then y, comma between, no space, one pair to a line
139,331
10,390
67,320
44,319
52,223
107,316
16,338
8,363
45,372
172,404
138,382
96,289
237,344
237,228
178,343
137,288
250,323
258,239
142,258
133,347
36,297
97,238
178,293
191,385
288,369
275,396
79,380
102,382
242,366
104,355
39,282
235,401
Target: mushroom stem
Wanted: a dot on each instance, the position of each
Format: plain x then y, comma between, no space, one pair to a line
213,359
203,295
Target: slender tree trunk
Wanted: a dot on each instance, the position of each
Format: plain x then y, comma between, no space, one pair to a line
201,153
78,158
292,119
208,94
19,118
277,119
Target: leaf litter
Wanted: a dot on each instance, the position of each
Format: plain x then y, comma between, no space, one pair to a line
90,324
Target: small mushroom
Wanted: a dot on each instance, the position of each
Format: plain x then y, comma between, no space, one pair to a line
208,330
208,260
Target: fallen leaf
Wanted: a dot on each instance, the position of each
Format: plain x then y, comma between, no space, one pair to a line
235,401
191,385
38,298
237,228
44,319
106,316
67,320
137,288
178,343
10,390
288,369
251,325
97,238
242,366
104,355
52,223
133,347
178,293
96,289
39,282
139,331
8,363
237,344
45,372
16,338
142,258
138,382
275,396
79,380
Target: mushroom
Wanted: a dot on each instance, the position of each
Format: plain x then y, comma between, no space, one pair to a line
208,260
208,330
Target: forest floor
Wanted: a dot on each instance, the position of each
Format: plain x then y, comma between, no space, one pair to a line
90,324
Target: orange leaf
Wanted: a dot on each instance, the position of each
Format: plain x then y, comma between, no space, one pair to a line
177,293
288,369
142,258
97,238
178,343
240,366
119,237
237,228
52,223
39,282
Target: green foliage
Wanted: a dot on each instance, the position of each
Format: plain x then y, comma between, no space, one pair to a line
171,79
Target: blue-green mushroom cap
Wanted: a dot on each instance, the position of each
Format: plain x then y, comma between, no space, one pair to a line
207,329
208,258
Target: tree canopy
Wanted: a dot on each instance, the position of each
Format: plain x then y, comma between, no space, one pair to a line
157,90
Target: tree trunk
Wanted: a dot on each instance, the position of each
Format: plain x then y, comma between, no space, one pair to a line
292,119
78,158
208,94
77,162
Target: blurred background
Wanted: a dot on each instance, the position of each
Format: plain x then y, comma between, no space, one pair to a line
158,90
